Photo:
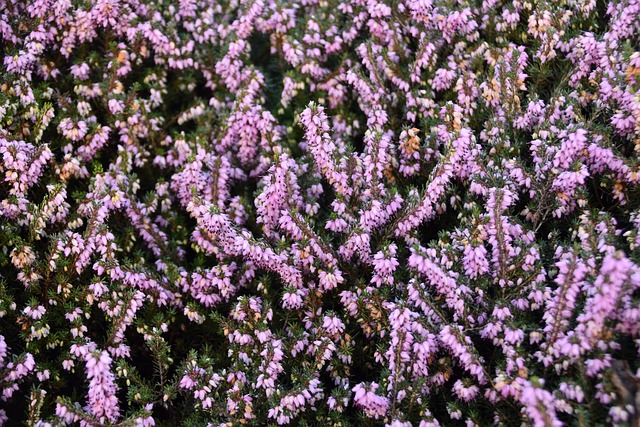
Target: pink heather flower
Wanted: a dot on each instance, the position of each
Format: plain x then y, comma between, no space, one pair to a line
102,399
385,264
36,313
443,79
443,281
116,106
601,306
333,325
539,406
475,261
323,148
63,413
80,71
466,393
459,345
14,371
71,130
572,391
429,422
3,350
146,421
374,406
513,336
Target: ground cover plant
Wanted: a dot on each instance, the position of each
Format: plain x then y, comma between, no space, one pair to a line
319,212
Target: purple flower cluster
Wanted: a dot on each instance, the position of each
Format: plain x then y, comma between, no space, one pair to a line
277,212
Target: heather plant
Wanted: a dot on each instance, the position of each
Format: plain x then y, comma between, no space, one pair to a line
324,212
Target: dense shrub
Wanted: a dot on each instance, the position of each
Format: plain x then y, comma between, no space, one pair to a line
325,212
